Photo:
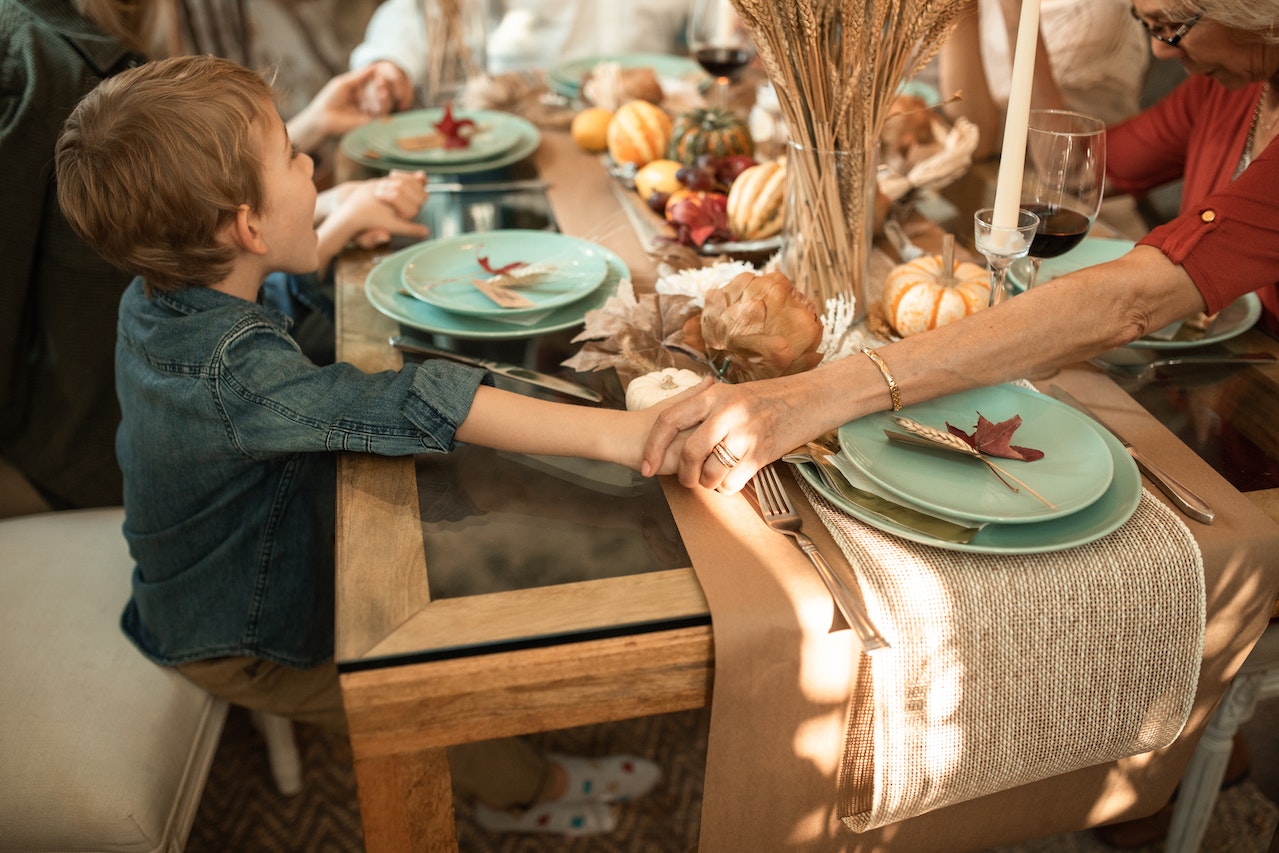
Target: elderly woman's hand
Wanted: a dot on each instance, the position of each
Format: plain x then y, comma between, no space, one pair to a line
735,431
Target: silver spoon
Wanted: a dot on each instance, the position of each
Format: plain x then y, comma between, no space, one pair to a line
1142,369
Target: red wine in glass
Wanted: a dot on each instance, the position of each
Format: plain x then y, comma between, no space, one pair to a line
726,62
1060,230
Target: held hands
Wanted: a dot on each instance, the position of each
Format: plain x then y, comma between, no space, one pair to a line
336,109
372,212
386,90
752,428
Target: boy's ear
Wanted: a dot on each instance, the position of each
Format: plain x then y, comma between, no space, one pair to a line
245,233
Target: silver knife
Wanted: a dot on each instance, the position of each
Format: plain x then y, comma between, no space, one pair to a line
486,186
512,371
1185,499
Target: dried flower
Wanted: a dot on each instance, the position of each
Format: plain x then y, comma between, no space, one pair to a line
757,327
638,334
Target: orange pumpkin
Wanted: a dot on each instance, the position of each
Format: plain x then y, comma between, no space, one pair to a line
917,298
638,133
757,201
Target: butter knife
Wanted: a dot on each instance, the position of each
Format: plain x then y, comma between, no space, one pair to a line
1185,499
512,371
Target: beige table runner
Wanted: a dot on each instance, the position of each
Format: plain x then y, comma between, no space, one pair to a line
1006,669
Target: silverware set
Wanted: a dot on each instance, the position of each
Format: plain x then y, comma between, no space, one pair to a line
774,505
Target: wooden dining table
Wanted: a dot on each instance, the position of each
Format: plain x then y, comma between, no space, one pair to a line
423,668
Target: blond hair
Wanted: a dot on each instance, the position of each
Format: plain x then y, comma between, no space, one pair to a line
153,164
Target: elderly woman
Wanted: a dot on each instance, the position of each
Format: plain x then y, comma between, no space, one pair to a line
1215,130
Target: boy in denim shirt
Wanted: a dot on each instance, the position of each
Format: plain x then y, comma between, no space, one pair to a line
181,172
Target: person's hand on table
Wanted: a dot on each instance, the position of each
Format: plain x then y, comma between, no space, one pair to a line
386,90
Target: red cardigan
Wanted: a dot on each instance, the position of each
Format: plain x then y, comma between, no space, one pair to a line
1226,234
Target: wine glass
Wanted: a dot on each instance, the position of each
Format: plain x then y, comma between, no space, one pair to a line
1002,244
1062,183
720,44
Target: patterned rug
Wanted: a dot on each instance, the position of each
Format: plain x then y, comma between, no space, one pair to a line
241,810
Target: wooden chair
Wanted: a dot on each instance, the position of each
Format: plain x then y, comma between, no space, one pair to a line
101,750
1258,679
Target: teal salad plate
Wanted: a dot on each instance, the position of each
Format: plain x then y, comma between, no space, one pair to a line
1075,471
566,78
560,270
1101,517
385,290
370,145
1235,319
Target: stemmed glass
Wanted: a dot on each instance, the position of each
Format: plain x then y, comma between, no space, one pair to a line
720,44
1063,180
1002,244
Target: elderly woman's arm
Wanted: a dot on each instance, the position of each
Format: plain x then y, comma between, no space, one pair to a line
1061,322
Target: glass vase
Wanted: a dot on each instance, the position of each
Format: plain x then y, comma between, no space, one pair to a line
456,33
829,224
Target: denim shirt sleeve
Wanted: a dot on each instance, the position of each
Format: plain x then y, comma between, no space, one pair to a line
273,400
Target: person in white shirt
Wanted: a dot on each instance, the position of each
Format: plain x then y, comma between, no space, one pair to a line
523,35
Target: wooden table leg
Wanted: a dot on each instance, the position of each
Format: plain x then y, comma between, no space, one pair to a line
406,802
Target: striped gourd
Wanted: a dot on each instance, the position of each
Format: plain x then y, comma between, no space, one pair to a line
719,133
638,133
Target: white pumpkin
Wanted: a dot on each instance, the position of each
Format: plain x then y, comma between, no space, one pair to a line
757,201
916,298
652,388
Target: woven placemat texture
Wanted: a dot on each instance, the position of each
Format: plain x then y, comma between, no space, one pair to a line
1007,669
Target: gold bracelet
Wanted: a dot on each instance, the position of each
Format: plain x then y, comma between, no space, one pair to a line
888,377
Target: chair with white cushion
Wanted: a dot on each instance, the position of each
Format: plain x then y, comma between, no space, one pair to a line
100,748
1258,679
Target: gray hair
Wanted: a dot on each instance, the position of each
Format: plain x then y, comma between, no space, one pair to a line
1260,17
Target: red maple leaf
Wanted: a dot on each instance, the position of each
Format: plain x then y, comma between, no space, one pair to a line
996,439
451,129
483,261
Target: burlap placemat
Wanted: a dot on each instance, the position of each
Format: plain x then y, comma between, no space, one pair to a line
1007,669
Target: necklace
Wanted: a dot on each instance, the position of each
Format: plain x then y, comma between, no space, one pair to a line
1245,160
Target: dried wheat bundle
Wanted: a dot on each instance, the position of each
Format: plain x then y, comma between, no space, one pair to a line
451,62
836,66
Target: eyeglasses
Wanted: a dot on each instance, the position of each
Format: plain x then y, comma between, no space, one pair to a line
1157,32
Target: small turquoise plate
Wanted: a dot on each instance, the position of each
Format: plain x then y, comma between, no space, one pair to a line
1103,516
384,288
1075,471
359,146
495,133
566,78
1235,319
440,271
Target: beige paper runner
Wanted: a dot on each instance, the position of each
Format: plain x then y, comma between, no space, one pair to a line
1007,669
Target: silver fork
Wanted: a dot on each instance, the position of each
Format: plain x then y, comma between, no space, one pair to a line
779,513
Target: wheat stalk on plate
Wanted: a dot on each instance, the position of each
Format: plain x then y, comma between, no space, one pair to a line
836,66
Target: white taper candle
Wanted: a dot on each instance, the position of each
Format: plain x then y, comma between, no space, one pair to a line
1012,156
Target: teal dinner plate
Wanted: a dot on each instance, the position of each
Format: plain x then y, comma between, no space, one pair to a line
566,78
385,290
1235,319
495,133
440,272
1075,471
1090,252
358,146
1102,516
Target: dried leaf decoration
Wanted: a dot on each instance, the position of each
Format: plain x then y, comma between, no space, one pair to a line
451,129
996,439
635,334
757,327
